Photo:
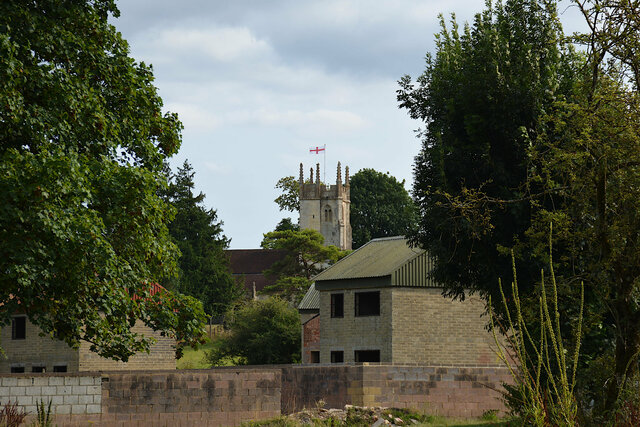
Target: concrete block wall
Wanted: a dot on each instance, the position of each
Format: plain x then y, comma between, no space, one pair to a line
351,333
229,396
429,329
67,394
448,391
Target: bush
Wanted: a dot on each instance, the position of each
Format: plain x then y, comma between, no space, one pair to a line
260,333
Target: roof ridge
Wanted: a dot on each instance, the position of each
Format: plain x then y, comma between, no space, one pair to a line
377,239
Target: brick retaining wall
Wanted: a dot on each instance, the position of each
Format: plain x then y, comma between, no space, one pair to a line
228,396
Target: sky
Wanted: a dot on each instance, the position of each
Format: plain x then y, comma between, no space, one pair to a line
256,84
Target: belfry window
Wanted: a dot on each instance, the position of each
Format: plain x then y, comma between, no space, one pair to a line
327,214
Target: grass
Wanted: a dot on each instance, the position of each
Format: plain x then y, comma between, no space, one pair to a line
195,358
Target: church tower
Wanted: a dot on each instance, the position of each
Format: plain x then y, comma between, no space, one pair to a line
326,208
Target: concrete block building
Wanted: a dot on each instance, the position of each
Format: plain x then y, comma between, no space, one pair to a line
27,349
379,304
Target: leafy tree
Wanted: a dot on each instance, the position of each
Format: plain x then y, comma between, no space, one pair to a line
261,332
289,200
82,143
481,97
380,207
204,268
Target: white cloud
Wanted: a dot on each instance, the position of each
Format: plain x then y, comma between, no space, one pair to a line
220,44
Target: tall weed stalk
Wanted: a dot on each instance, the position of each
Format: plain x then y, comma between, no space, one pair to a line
541,395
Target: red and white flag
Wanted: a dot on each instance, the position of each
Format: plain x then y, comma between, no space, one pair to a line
317,150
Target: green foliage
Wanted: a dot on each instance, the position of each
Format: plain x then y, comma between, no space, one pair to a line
543,394
305,257
306,254
204,267
43,414
261,332
380,207
82,144
289,200
480,98
290,288
287,224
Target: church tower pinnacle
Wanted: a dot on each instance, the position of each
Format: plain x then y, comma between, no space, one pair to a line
326,208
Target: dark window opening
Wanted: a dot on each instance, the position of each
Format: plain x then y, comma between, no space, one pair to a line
18,328
327,214
367,303
315,357
337,305
17,369
38,369
337,356
367,355
60,368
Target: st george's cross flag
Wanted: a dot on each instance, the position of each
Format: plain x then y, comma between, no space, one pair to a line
317,150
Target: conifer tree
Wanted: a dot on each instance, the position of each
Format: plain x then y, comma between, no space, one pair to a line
196,230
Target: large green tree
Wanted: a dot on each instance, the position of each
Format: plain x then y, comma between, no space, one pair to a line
204,267
380,207
82,143
480,98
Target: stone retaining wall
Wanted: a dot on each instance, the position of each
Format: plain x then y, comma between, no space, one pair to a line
228,396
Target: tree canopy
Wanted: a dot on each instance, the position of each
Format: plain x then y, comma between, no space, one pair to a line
521,132
305,257
380,207
204,268
261,332
481,97
82,143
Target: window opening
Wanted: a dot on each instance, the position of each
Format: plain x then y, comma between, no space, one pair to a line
367,355
17,369
315,357
337,356
38,369
367,303
59,368
337,305
327,214
18,328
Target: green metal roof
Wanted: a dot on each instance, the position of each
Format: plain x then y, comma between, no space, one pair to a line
389,256
311,300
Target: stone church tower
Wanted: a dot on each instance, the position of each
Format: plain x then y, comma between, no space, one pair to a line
326,208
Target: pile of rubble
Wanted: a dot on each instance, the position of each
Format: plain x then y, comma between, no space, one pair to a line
358,416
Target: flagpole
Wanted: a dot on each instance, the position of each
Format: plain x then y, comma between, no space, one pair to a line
324,166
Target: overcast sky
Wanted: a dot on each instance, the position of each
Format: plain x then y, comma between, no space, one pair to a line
256,83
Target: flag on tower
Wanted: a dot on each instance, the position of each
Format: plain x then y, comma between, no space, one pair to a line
317,150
